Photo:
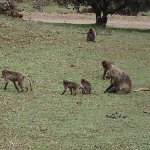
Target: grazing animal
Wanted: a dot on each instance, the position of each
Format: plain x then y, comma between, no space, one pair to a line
72,86
85,86
108,65
91,35
14,77
120,82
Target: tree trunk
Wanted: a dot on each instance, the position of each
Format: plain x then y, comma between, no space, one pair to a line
100,10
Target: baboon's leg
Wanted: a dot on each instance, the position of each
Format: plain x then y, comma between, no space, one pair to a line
75,91
71,90
104,74
20,83
15,86
108,89
112,90
6,83
64,90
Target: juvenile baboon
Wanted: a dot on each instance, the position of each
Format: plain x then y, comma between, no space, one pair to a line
108,65
91,35
14,77
72,86
85,86
120,82
142,89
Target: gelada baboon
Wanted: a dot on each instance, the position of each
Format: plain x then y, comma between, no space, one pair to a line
91,35
15,77
108,65
120,82
72,86
142,89
85,86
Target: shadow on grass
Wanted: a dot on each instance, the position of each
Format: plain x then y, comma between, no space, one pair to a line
69,25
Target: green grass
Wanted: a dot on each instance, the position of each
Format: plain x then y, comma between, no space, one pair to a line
47,120
52,7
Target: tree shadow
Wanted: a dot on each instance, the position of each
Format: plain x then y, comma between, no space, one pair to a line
96,27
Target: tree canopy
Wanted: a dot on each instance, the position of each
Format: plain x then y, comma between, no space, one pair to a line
104,7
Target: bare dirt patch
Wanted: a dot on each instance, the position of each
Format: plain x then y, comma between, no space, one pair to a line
114,20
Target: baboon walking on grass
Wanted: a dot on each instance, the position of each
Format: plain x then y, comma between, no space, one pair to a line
72,86
15,77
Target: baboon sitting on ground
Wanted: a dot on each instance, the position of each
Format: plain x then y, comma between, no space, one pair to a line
120,82
91,35
85,86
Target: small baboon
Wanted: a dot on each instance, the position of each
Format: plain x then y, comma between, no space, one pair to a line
85,86
120,82
14,77
91,35
142,89
108,65
72,86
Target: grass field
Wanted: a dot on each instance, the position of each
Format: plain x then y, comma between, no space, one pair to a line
47,120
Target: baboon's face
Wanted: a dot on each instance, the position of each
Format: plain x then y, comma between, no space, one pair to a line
103,63
90,30
80,86
3,73
82,81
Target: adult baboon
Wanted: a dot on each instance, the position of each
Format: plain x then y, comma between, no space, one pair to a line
14,77
85,86
91,35
108,65
120,82
72,86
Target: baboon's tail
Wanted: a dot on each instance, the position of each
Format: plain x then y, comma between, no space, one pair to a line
142,89
30,83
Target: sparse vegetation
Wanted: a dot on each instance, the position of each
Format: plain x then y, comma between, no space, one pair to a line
45,119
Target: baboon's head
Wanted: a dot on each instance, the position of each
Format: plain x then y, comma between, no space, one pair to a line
112,74
82,81
104,64
90,30
80,86
65,82
4,72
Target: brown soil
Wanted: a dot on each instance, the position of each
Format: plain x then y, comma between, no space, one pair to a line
113,21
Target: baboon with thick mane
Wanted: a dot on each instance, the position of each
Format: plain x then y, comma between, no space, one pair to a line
120,82
72,86
108,65
91,35
85,86
15,77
